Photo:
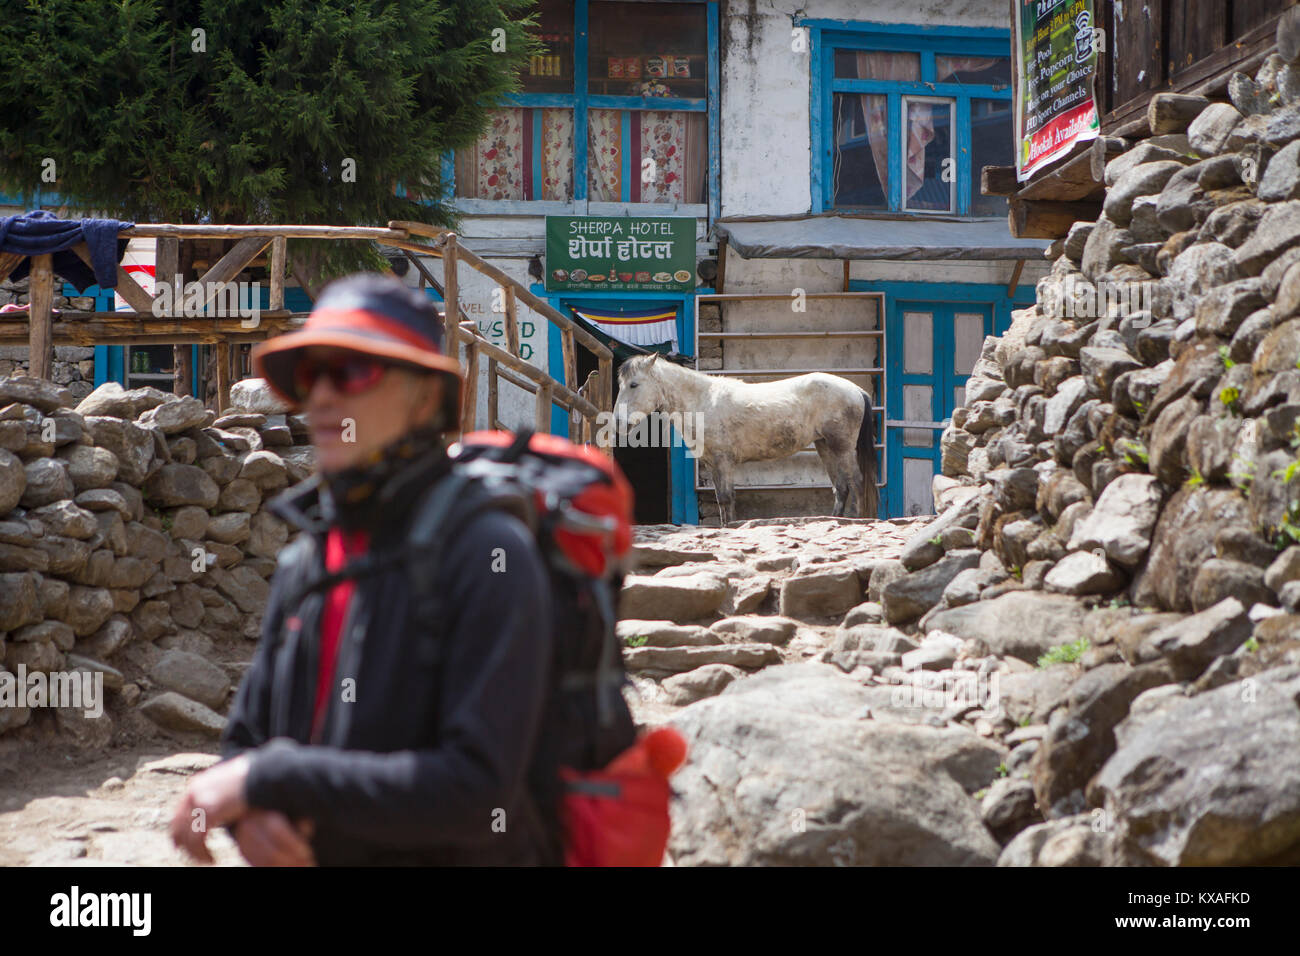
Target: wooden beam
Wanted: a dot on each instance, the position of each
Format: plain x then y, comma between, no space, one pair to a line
451,291
998,181
158,229
1048,220
542,417
1068,181
127,288
470,392
8,263
167,263
512,321
223,377
40,355
276,298
1015,277
570,359
493,418
846,275
231,264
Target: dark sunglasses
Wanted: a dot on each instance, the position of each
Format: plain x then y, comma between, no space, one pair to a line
350,375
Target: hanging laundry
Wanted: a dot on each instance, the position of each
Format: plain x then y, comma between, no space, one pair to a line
40,232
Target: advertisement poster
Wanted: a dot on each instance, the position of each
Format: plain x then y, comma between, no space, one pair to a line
1057,42
620,254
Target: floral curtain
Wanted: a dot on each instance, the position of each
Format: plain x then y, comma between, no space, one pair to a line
676,142
500,164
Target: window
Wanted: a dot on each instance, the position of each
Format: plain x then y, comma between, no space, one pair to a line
632,81
906,123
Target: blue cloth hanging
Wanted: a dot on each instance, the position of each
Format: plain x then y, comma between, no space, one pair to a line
40,232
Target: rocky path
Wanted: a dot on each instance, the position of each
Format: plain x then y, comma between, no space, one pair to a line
111,805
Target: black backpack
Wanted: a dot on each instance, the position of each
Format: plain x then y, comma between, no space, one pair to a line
579,507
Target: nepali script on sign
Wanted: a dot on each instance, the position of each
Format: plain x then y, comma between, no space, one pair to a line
625,249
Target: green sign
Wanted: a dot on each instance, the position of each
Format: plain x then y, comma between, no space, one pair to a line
1057,42
620,254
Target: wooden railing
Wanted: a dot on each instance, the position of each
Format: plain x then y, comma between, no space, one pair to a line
583,403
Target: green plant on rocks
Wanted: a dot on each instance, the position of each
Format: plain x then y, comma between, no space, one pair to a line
1065,653
1133,451
638,640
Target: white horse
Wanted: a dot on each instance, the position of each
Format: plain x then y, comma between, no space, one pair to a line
743,421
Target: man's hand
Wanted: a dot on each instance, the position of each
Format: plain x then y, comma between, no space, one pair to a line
269,838
213,798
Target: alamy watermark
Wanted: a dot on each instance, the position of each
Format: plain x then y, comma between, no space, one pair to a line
210,299
80,690
1093,300
655,430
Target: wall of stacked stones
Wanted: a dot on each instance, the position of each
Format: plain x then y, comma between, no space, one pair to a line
74,365
1121,491
134,541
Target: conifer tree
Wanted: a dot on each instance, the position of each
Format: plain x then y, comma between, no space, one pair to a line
232,111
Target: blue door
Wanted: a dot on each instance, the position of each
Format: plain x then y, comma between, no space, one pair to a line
931,348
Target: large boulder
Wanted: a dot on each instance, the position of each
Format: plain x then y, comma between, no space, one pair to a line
1123,519
174,485
1210,780
1183,540
781,772
1023,624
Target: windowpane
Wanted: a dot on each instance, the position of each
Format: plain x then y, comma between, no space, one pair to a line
918,482
668,156
647,49
505,163
877,65
991,145
968,341
918,401
552,71
861,151
931,166
918,343
987,70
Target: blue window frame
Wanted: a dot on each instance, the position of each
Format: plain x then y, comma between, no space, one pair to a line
581,101
968,116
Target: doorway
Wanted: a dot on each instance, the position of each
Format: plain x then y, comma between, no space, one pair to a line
931,349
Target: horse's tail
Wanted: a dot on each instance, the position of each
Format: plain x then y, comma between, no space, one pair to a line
866,449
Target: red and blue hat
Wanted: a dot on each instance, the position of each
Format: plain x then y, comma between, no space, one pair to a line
369,313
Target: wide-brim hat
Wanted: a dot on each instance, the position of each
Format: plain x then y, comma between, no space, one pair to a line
369,313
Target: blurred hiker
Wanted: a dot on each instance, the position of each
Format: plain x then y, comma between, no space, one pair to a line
370,729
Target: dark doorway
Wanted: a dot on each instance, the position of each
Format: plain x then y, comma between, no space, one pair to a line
649,470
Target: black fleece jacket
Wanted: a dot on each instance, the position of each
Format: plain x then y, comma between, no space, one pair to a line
431,723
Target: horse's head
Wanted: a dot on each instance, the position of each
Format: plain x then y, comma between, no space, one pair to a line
640,387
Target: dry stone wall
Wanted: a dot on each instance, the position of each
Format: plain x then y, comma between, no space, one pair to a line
134,542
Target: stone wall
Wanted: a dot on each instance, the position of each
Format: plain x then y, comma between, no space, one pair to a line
74,365
134,542
1122,494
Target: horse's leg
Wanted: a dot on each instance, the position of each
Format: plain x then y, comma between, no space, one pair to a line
833,472
724,487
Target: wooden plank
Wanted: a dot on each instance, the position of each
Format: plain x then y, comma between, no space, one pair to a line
167,263
846,276
998,181
40,356
1068,181
1015,277
606,368
223,377
127,288
469,394
1139,53
8,263
182,362
570,359
1048,220
1196,30
512,321
493,418
278,251
542,413
159,229
1249,14
451,292
231,264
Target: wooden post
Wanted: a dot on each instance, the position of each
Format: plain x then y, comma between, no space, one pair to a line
604,398
542,421
470,394
570,360
40,354
451,292
223,377
493,386
276,300
512,321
